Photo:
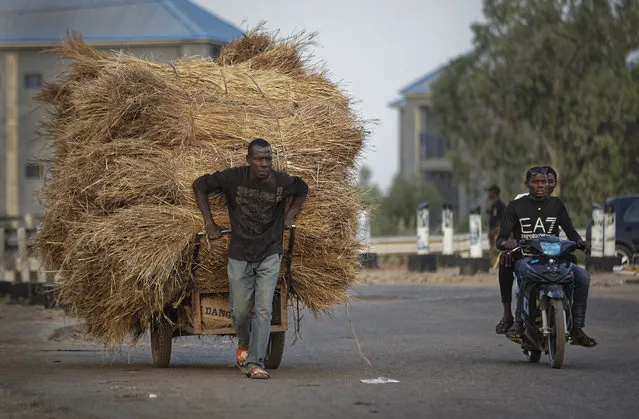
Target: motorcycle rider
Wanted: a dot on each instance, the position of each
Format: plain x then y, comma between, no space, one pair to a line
506,271
539,215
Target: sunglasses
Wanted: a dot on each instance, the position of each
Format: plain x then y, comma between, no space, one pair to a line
533,171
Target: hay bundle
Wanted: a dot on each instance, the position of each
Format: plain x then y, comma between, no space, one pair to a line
131,136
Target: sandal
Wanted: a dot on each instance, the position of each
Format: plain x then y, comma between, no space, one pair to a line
515,332
503,326
240,356
258,373
580,338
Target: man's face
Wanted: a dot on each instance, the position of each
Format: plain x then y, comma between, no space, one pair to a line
552,183
260,160
537,185
492,196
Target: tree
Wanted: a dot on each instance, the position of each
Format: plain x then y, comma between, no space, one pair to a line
365,176
397,210
371,197
370,193
547,83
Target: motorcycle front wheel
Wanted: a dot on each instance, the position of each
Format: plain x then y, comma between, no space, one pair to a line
557,337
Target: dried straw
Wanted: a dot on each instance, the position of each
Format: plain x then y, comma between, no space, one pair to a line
130,137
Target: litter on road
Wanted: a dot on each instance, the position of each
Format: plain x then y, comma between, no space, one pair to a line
379,380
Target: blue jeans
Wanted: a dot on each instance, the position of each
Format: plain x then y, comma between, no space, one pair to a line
580,297
252,285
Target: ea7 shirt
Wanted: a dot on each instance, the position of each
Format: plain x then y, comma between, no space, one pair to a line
527,218
256,209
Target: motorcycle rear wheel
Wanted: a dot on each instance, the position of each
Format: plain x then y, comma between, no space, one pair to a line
557,337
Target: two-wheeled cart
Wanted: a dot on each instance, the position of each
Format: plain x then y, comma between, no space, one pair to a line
207,312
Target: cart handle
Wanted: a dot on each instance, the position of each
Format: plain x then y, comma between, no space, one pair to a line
225,231
228,230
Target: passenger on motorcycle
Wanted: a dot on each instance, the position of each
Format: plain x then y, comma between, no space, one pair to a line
539,215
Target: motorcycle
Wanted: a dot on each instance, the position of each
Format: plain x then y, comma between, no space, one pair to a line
547,297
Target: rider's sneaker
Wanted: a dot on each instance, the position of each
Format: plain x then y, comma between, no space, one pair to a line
515,332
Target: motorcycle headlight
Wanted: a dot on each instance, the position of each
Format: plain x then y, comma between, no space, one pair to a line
551,249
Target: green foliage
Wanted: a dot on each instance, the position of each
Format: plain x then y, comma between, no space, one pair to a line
399,206
394,213
547,83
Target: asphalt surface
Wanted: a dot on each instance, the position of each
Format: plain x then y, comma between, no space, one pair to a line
437,340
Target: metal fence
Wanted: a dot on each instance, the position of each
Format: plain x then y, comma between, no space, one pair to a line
408,244
21,274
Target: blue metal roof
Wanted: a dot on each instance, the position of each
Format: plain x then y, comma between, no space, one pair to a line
47,21
397,103
422,85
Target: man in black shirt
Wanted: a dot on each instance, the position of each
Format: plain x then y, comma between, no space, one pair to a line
538,215
506,267
495,214
256,197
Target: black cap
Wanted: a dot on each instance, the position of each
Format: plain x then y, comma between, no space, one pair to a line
494,188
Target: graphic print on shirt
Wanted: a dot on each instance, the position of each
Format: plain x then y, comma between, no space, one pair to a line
256,208
539,227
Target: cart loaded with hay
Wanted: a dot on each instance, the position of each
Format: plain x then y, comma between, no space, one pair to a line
130,136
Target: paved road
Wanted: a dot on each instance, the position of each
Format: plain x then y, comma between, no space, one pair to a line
437,340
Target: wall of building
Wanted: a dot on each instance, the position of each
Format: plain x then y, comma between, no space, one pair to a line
33,148
406,145
409,127
3,114
422,150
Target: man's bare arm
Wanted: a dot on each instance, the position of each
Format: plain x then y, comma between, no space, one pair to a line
293,209
202,199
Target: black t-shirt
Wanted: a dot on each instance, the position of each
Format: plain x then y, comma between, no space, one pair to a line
256,209
496,213
528,218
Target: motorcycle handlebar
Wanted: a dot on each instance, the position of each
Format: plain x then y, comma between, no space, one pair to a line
523,244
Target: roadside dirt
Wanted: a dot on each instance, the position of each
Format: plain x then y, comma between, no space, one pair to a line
397,275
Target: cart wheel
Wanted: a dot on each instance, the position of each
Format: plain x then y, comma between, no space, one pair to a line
275,350
161,334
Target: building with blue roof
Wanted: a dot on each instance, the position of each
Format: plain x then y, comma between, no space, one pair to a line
160,30
422,150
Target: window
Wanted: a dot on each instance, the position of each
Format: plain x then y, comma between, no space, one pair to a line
440,146
215,51
33,171
423,146
632,213
433,145
32,81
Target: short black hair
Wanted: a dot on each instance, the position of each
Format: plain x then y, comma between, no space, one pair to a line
551,170
258,142
495,189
